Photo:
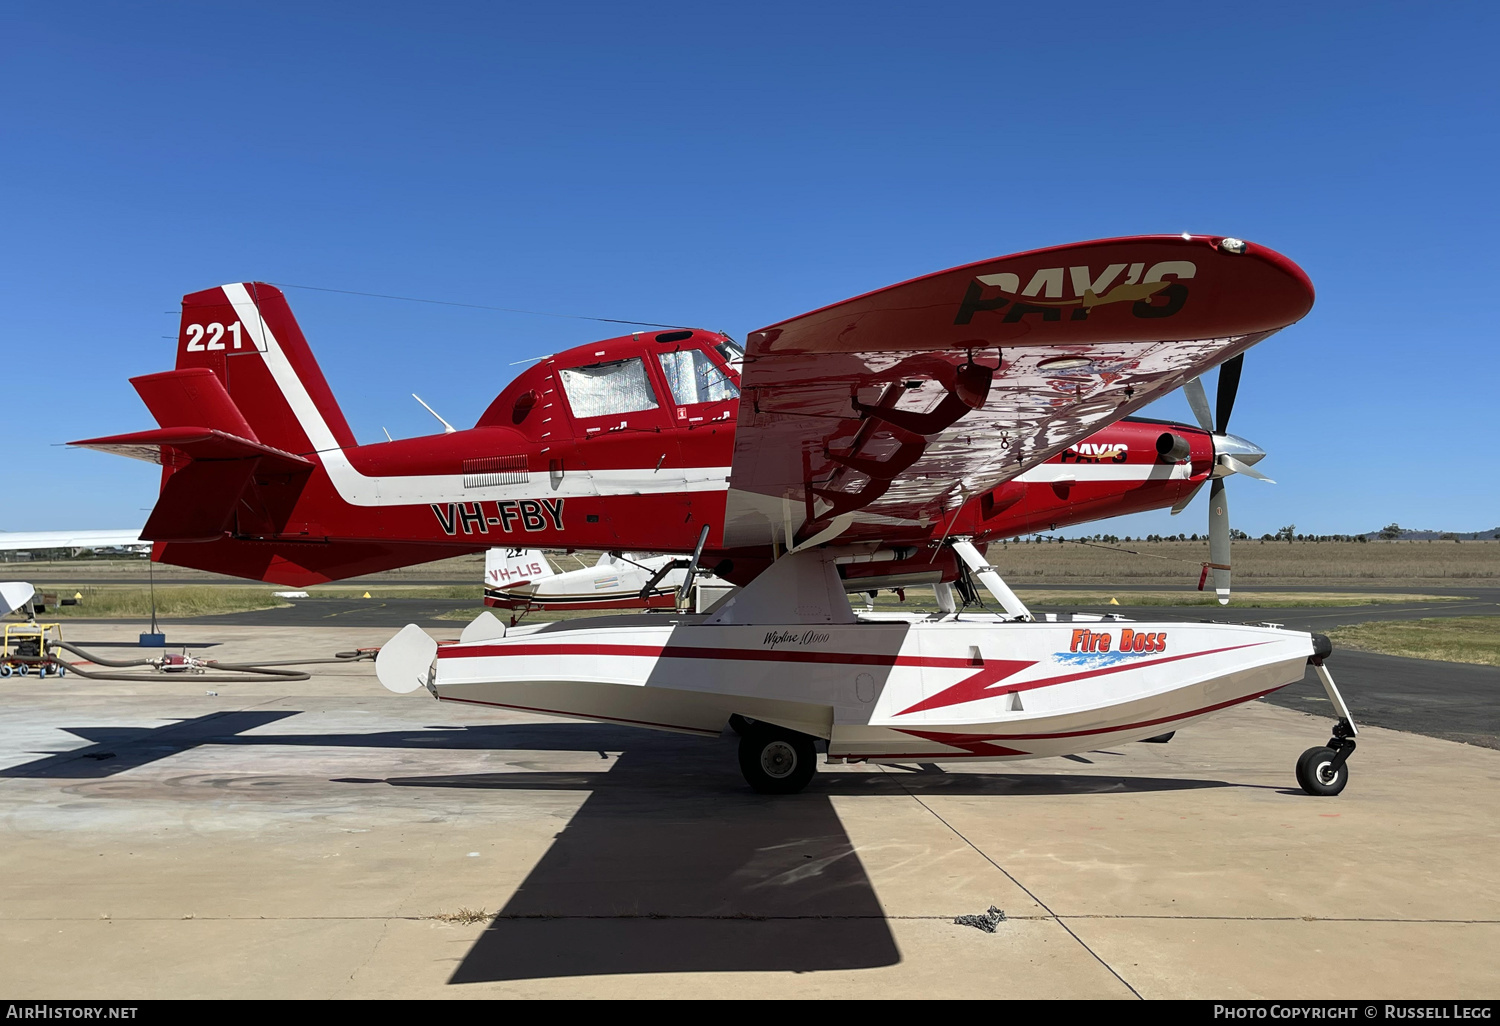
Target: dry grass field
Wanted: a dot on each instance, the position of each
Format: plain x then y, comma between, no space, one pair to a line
1459,639
1165,569
1256,564
132,602
53,574
1187,595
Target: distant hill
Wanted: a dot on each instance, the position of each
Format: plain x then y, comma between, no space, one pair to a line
1411,535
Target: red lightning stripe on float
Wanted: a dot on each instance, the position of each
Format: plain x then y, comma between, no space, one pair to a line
975,686
979,685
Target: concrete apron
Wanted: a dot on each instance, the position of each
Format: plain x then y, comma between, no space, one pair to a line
294,840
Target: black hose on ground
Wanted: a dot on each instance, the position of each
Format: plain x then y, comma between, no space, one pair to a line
239,673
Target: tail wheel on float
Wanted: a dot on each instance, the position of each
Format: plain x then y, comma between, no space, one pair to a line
775,760
1320,771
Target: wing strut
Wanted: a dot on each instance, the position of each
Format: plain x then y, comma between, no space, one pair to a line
990,578
686,591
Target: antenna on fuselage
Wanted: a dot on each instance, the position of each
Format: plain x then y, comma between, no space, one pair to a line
448,429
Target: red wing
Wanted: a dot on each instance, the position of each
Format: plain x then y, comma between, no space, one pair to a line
874,418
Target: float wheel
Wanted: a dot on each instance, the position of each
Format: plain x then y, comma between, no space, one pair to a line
775,760
1319,772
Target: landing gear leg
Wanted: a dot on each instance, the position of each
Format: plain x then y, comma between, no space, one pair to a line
1324,771
775,760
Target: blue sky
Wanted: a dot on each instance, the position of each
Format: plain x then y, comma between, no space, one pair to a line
731,165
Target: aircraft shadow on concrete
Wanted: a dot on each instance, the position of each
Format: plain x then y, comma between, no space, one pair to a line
671,864
118,749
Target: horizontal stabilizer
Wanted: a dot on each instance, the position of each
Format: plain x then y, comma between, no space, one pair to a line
192,397
180,444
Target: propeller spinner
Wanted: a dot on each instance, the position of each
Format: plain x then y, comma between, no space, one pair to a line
1232,455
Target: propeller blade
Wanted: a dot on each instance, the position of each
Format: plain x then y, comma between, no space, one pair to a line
1229,386
1218,539
1183,502
1198,400
1229,462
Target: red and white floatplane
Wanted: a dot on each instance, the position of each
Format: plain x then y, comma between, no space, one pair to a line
838,478
885,441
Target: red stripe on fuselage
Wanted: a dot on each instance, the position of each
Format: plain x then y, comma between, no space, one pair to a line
690,652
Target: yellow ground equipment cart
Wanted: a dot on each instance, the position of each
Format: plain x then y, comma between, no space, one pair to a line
24,649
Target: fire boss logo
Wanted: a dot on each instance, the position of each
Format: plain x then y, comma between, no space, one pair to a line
1095,452
1153,292
1130,641
534,515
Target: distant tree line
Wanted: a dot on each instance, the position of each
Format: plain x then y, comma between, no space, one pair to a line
1395,532
1391,532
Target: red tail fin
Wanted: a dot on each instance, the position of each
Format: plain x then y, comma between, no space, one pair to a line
247,395
242,421
246,336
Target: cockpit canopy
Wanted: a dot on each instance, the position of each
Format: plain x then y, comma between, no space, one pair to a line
632,374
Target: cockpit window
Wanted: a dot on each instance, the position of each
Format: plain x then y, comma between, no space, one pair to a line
605,389
733,355
694,378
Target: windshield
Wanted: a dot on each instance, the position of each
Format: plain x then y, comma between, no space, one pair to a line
733,355
694,378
